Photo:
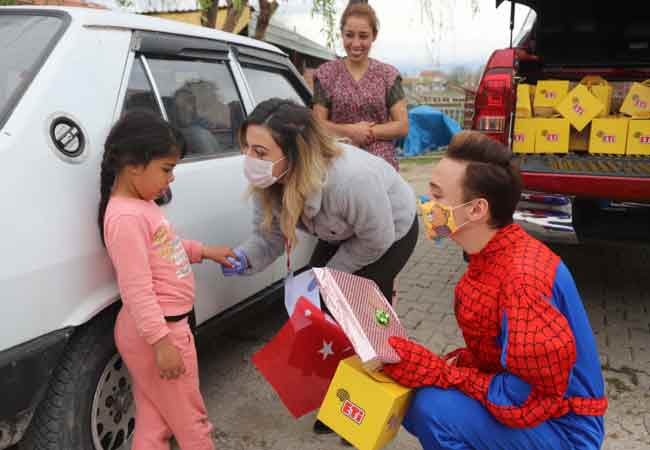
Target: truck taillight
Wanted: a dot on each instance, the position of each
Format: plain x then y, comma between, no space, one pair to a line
491,124
494,99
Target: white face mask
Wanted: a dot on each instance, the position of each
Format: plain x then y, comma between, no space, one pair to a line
259,172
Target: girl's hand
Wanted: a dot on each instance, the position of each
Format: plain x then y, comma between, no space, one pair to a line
360,133
219,254
169,359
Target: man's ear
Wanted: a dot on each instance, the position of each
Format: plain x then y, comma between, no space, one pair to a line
480,211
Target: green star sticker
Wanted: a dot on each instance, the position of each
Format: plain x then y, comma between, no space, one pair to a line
382,317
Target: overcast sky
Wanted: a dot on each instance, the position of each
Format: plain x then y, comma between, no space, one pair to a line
468,39
405,40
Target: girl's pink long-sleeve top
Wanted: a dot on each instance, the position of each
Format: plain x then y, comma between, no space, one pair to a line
152,264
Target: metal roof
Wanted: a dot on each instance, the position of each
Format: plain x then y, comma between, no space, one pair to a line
283,37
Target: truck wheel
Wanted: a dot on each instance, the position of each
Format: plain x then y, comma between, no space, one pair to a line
89,404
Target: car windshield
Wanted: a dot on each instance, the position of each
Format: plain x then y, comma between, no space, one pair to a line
25,42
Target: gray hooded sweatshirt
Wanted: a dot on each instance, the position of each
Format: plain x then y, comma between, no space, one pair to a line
365,206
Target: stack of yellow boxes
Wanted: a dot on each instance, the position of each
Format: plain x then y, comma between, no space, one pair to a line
523,138
537,128
637,106
554,118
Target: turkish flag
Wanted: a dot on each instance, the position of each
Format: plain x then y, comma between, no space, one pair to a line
300,361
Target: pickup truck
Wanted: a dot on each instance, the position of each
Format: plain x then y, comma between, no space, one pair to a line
576,197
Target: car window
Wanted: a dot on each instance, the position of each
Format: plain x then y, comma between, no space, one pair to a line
202,101
139,94
266,84
25,42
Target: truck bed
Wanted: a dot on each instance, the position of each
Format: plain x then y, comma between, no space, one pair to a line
585,164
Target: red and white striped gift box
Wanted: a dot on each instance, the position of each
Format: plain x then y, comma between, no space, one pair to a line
364,314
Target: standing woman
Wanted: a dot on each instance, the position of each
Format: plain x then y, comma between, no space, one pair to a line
358,97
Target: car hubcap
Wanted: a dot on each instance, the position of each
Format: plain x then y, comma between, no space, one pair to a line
113,409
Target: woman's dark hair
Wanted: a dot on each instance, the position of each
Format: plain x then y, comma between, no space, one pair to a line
491,174
137,138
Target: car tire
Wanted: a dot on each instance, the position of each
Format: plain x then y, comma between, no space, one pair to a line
88,405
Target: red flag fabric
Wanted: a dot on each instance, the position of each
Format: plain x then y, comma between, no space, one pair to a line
300,361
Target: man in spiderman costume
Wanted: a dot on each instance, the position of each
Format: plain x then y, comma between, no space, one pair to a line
529,376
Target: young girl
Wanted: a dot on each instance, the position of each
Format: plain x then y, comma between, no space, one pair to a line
156,283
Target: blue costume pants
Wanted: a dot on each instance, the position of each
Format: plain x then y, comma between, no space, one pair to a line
448,419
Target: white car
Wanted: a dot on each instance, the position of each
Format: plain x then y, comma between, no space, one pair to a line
66,75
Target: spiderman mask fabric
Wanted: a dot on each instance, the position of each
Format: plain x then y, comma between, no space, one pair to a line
529,376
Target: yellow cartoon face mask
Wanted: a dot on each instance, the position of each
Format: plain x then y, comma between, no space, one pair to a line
439,222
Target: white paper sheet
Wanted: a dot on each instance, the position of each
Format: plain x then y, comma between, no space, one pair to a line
303,285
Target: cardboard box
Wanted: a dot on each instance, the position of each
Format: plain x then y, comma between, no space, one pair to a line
524,102
609,135
548,94
366,410
637,101
552,135
602,90
523,137
580,106
638,138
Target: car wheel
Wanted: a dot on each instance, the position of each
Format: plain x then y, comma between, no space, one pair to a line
89,403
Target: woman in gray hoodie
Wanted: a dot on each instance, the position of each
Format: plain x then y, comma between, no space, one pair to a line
359,207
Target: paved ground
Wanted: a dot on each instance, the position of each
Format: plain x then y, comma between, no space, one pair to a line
615,285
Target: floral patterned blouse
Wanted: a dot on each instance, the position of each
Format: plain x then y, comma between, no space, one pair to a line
369,99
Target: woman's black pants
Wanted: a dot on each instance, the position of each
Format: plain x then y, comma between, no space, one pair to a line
385,269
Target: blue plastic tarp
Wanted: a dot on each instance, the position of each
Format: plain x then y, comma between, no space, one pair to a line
429,129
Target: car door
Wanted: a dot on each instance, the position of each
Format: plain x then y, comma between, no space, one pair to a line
269,75
196,92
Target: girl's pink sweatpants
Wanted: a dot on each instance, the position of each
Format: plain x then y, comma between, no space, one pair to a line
164,407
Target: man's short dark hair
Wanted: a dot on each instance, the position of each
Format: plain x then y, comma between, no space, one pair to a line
491,174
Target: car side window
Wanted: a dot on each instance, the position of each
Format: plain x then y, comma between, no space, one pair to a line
202,101
266,84
139,94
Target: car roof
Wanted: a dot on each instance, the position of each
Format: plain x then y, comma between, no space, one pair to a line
103,18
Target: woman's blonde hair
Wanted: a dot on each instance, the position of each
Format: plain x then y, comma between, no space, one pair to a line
309,151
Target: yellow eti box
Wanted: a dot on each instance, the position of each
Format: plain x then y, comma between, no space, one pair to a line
548,94
579,140
524,96
637,100
523,137
580,107
366,410
638,138
552,135
602,90
609,135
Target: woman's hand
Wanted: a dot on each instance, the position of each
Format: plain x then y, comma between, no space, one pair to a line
361,133
169,359
219,254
